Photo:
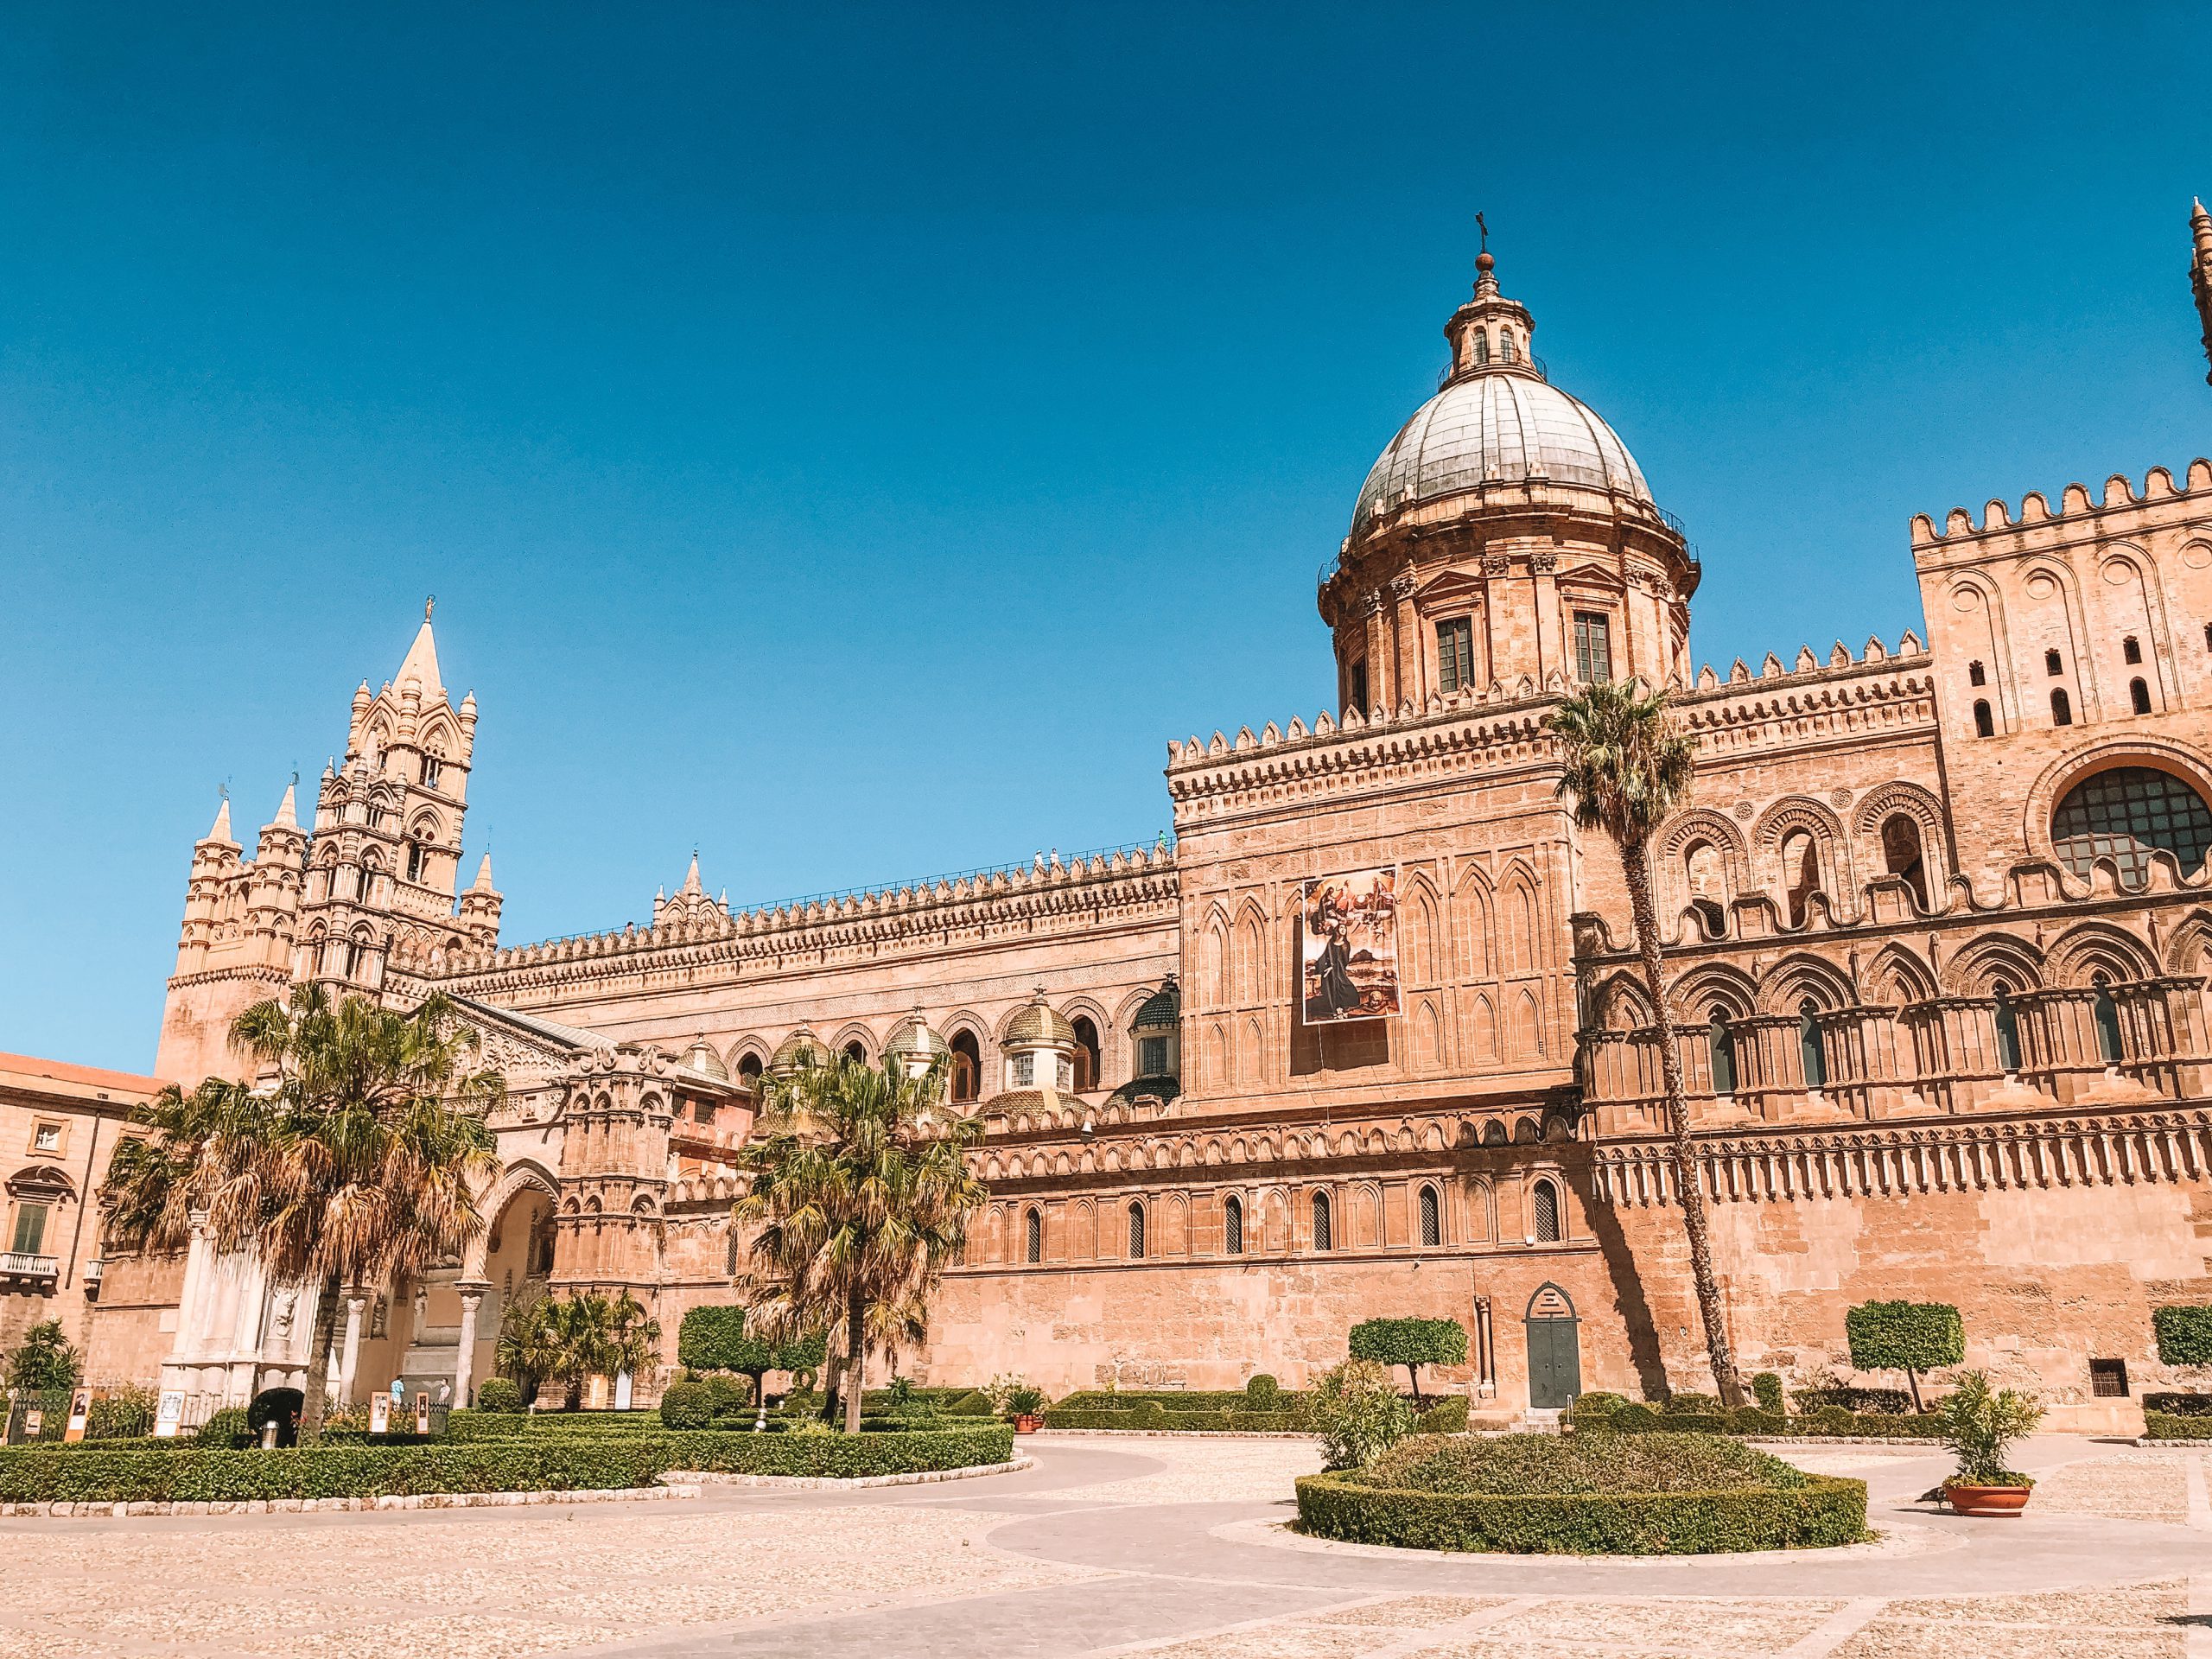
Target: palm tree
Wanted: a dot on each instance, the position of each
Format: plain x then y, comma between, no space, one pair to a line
861,1190
356,1160
570,1340
1627,767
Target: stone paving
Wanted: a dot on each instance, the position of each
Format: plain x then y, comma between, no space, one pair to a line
1170,1550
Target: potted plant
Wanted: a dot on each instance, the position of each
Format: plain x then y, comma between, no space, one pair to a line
1980,1426
1025,1405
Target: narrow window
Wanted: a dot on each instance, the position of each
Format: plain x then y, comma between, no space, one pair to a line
1033,1230
1232,1226
1984,725
1974,675
1086,1055
1021,1071
967,1066
432,767
30,1228
413,860
1455,654
1901,854
1432,1220
2107,1014
1152,1057
2062,709
729,1262
46,1137
1722,1042
1322,1239
2138,693
1358,677
1808,1047
1137,1232
855,1053
2108,1379
355,952
2053,663
1594,647
1505,347
2131,649
2008,1031
1482,346
1800,869
1546,1213
2208,636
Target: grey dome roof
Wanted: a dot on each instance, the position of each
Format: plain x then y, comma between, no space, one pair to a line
1499,425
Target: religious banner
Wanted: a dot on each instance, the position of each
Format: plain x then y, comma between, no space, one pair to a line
80,1414
1349,946
379,1413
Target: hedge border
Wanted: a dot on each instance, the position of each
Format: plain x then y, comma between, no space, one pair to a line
1825,1513
350,1505
2169,1426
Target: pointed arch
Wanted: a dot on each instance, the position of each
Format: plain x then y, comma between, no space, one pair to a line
1523,1039
1482,1028
1712,985
1519,904
1992,959
2083,953
1898,975
1473,938
1213,960
1428,1036
1251,939
1417,925
1799,978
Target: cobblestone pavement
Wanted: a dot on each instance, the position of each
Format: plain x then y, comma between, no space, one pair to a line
1166,1548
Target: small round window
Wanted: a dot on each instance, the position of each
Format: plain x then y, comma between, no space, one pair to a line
2127,813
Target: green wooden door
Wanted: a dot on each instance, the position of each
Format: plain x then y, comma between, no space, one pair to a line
1555,1362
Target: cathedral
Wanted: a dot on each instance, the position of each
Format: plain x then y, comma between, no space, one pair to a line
1367,1037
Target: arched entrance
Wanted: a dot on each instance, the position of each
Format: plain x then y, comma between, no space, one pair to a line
1554,1350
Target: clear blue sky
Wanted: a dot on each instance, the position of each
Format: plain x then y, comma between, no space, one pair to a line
854,440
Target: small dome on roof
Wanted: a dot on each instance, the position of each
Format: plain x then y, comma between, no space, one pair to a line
701,1056
801,1048
1040,1025
1162,1010
911,1039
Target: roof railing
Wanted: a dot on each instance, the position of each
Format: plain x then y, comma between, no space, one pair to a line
1447,374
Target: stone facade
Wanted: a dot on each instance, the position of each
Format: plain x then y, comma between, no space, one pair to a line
1936,922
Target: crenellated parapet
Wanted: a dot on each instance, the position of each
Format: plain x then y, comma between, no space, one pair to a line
2002,532
1047,895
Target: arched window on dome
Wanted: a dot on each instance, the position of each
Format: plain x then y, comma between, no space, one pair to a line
1506,352
1481,346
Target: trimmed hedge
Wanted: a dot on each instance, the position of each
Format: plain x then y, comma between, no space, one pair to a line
2167,1426
468,1427
1170,1400
1821,1513
2179,1405
1214,1421
1629,1418
1445,1417
563,1463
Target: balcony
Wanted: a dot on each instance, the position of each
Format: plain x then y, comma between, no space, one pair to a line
21,1264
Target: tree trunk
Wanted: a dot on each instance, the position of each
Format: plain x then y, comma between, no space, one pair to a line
856,1364
1912,1382
316,1385
1412,1374
1689,1185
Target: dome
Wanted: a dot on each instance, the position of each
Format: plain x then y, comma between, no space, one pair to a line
1162,1010
1501,425
701,1057
801,1048
1037,1024
912,1038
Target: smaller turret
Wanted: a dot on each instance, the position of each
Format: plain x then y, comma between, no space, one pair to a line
2200,273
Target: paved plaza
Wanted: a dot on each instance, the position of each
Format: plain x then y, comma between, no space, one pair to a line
1168,1548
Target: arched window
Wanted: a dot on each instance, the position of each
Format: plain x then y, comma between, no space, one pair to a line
2208,636
1505,348
1711,920
2008,1031
967,1065
1322,1238
2107,1014
433,765
1808,1046
1232,1226
1482,346
2053,663
2061,708
1800,871
1032,1237
1136,1229
1984,723
730,1264
1975,675
1545,1205
2138,696
357,951
748,1072
1086,1055
1901,854
1723,1044
413,860
855,1052
1432,1218
2131,649
2127,814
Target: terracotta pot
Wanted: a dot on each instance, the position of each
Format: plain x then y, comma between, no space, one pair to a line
1986,1500
1028,1423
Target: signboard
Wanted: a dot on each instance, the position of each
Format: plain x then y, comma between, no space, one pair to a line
33,1420
169,1414
1348,944
379,1413
422,1411
622,1391
80,1414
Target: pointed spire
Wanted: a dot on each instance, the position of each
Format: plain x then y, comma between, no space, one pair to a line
287,815
222,828
1489,333
691,879
420,664
483,883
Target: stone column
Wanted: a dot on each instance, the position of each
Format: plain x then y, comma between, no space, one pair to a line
197,1260
464,1365
349,1356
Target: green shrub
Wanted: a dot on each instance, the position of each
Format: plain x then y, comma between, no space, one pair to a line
2171,1426
1262,1391
1445,1417
279,1406
1831,1420
2179,1405
1359,1414
126,1413
730,1396
1595,1405
972,1403
1756,1419
1687,1404
225,1428
1981,1425
1896,1402
687,1404
1410,1342
1766,1389
1171,1399
44,1362
1633,1416
1909,1337
498,1394
2184,1333
1538,1494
